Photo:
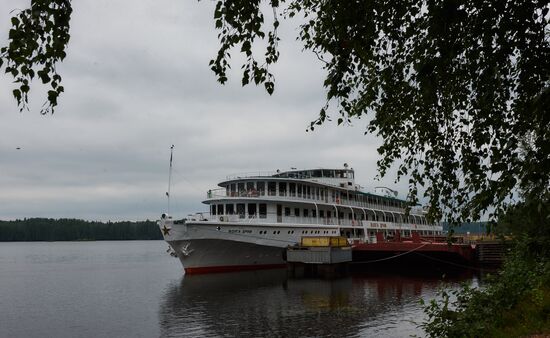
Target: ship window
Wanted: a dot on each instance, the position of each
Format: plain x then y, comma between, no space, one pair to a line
251,209
308,189
329,173
287,211
220,209
249,186
261,188
282,188
240,210
292,189
229,209
313,213
213,209
317,173
329,214
322,213
263,210
299,190
306,213
297,212
233,189
240,188
340,215
271,188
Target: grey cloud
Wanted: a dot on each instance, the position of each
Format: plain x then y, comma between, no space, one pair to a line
137,80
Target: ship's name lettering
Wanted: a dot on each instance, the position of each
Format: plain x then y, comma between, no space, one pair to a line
238,231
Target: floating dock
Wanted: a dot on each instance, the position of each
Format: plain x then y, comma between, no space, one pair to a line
319,256
331,256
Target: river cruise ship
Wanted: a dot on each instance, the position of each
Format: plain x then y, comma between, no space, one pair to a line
253,218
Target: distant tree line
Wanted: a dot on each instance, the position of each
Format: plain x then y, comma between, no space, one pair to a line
471,227
64,229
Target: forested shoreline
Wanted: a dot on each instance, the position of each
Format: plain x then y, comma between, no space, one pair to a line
65,229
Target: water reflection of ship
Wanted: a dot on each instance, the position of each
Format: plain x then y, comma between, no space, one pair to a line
266,303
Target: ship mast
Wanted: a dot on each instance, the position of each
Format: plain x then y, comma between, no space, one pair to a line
170,178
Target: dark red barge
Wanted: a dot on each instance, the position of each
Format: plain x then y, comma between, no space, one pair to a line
414,250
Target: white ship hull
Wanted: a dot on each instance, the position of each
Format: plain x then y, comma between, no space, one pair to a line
204,247
215,255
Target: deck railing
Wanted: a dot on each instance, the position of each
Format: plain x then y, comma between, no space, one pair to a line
250,174
271,195
295,220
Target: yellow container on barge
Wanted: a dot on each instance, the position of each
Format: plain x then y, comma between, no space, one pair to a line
326,241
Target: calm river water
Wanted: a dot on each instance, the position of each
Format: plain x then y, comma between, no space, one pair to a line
135,289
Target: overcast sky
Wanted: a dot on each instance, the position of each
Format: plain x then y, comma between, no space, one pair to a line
136,81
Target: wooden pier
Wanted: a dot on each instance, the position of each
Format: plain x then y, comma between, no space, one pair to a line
490,252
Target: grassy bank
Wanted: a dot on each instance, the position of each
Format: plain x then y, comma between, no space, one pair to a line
515,302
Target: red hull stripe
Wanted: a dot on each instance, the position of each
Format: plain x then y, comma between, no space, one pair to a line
216,269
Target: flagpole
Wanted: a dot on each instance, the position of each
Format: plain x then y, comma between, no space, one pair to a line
170,177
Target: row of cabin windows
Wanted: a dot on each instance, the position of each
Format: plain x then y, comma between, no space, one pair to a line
239,209
319,173
407,233
290,232
291,189
260,210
